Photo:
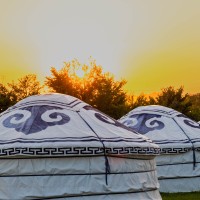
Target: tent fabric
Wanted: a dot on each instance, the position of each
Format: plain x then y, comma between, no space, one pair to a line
38,124
178,137
72,177
56,146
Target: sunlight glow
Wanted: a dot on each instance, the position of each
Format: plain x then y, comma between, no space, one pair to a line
151,44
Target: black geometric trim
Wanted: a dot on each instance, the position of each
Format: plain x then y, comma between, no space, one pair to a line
73,151
132,150
175,150
197,149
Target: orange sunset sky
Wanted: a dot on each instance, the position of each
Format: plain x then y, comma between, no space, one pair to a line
150,43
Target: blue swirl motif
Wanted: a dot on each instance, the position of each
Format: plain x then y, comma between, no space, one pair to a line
143,123
34,119
189,121
105,118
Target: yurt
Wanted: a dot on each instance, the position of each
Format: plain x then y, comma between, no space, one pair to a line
178,165
55,146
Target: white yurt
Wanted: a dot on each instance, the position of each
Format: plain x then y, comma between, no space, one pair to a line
178,165
56,146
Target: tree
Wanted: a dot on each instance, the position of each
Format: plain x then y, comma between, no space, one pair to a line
104,93
26,86
95,87
195,108
5,100
174,98
141,100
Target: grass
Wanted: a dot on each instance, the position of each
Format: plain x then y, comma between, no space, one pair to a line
181,196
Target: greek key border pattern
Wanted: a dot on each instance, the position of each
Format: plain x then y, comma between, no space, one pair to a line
175,150
91,151
78,151
197,148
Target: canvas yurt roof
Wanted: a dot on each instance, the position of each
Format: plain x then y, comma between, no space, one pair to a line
61,121
61,147
173,131
179,139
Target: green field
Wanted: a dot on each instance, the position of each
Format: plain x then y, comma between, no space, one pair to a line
181,196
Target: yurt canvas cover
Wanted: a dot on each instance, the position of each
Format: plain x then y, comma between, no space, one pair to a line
178,136
57,147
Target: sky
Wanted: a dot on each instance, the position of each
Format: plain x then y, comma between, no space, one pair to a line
152,44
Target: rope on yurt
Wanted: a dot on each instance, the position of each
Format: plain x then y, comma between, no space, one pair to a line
184,177
107,165
98,194
193,149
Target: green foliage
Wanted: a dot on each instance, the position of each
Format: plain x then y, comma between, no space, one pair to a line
16,91
174,98
195,108
141,100
26,86
5,100
181,196
96,88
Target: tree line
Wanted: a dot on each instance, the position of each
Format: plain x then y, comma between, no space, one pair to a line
97,88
